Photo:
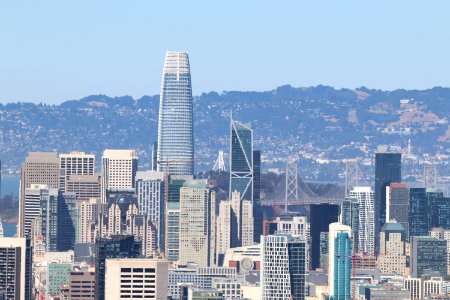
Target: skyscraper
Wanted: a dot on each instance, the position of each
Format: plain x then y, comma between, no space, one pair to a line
350,217
38,168
388,169
241,160
339,261
397,205
418,212
428,254
75,163
366,227
258,213
392,256
197,224
175,148
283,268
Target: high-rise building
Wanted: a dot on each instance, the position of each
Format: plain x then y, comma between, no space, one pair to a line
116,246
39,168
439,209
119,169
388,169
366,227
258,213
392,256
283,268
397,205
349,216
81,285
85,186
443,234
418,212
428,254
223,229
15,268
31,208
150,191
88,212
123,274
155,156
414,285
321,216
75,163
241,160
172,227
197,224
339,261
175,123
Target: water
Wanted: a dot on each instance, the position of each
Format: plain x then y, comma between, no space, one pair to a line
10,185
9,229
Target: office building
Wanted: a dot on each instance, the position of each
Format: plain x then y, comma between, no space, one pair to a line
443,234
414,286
189,292
81,285
85,186
283,268
39,168
339,261
150,191
223,228
366,227
349,216
428,255
244,259
172,227
58,274
119,169
175,150
321,216
88,212
136,279
31,208
323,250
258,213
75,163
15,268
155,156
116,246
230,287
439,209
200,277
241,160
397,205
392,256
388,169
197,224
418,212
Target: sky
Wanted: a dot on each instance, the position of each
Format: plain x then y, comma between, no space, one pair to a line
52,51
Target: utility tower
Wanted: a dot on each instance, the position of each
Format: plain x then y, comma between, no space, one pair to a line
291,181
352,174
430,175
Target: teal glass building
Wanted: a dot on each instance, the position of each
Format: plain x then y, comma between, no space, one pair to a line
342,266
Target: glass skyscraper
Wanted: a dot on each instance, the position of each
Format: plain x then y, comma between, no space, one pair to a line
418,212
339,261
175,148
241,160
388,169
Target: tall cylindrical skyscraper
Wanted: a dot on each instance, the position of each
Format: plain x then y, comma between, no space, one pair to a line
175,124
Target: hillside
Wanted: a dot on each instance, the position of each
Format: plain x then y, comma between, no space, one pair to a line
320,123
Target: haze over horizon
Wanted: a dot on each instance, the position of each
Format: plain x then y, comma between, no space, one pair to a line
59,51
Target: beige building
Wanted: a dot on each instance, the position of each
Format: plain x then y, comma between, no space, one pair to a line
392,258
119,169
136,279
88,212
81,285
75,163
39,168
223,227
197,224
247,223
85,186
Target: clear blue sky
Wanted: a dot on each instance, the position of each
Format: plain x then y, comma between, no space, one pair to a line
51,51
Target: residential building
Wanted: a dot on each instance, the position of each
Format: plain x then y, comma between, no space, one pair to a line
366,227
349,215
283,268
175,150
136,278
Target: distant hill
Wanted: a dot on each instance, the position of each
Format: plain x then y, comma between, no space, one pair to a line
319,123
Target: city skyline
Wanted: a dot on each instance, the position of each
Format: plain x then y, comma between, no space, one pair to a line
392,51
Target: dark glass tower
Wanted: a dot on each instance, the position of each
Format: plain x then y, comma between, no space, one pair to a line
117,246
428,255
241,160
388,169
257,209
321,216
436,208
418,212
350,217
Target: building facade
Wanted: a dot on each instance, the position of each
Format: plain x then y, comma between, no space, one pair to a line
366,227
428,255
339,261
75,163
397,207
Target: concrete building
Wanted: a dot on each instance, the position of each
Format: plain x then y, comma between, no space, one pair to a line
88,212
136,279
392,257
223,229
428,254
39,168
244,258
119,169
84,186
414,286
75,163
15,268
193,293
81,285
197,224
31,208
283,268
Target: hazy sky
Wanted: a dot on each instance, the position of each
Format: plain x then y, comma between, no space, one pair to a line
52,51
